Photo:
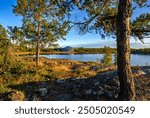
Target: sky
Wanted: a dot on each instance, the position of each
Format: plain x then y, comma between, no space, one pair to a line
91,40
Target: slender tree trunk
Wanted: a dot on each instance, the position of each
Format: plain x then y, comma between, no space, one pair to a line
127,89
38,43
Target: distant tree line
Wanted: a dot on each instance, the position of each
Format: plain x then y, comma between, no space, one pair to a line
94,50
141,51
79,50
111,50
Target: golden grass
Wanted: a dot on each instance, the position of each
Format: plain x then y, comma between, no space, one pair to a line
61,68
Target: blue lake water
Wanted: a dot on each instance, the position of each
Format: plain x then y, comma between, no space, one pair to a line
136,59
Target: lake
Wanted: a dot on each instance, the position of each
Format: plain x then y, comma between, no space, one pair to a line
136,59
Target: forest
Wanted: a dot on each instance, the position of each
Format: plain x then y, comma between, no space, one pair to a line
25,75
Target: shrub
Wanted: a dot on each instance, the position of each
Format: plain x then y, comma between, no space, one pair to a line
17,96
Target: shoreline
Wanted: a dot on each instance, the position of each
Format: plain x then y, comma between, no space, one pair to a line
62,78
59,53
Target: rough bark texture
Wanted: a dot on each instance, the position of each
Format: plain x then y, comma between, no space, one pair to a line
38,44
127,89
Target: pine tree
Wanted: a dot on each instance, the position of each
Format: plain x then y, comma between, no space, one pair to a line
44,21
107,58
4,43
113,18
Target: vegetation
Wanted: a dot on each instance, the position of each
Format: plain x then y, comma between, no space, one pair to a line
111,18
141,51
44,22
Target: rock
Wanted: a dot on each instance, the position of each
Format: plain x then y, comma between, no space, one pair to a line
43,91
94,93
88,92
97,83
76,99
73,79
42,85
36,98
109,94
107,87
82,77
101,88
60,81
53,92
100,92
64,97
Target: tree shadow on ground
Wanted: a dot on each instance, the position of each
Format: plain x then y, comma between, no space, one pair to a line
100,87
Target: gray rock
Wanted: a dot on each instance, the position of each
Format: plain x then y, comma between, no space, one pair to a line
43,91
60,81
97,83
101,88
73,79
100,92
88,92
94,93
42,85
53,92
109,94
64,97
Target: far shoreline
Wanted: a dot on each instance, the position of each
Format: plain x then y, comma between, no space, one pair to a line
65,53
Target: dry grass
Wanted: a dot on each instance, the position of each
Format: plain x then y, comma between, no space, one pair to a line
61,68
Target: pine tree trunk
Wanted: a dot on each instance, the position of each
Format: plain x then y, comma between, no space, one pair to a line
38,44
127,89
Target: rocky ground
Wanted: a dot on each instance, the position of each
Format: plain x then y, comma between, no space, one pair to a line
97,82
104,86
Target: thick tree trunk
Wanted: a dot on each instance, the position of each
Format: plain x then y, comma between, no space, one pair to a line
38,44
127,89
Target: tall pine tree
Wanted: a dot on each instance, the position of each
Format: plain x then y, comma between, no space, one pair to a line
44,21
113,18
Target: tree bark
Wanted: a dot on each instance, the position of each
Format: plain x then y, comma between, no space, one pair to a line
38,43
127,89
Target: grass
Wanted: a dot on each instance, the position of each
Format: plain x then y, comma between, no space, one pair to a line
23,70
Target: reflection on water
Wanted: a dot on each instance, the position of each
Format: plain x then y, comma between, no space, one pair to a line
136,59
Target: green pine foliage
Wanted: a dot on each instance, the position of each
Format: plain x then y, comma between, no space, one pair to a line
102,17
51,16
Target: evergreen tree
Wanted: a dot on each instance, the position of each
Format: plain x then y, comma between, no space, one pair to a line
4,43
44,21
113,18
17,38
107,59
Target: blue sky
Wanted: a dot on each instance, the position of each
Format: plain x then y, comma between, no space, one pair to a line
7,18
